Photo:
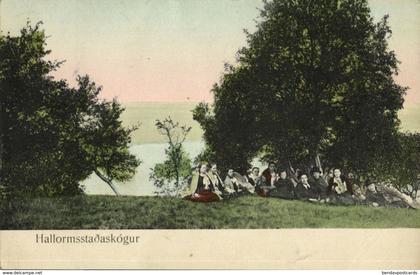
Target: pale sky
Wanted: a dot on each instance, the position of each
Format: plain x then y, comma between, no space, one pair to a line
174,50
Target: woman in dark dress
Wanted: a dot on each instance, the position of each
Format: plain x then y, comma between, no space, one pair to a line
318,184
268,177
254,178
340,191
284,188
216,181
268,172
202,188
303,188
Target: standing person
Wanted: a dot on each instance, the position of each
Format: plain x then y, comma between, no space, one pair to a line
201,188
284,187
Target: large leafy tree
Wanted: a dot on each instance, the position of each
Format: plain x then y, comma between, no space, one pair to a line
53,136
315,79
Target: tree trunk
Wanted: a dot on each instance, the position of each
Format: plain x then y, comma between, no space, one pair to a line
108,181
318,162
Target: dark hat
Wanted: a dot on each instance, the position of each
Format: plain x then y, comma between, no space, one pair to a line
368,182
315,169
282,168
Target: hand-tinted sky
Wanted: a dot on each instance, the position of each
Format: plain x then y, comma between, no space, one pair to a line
174,50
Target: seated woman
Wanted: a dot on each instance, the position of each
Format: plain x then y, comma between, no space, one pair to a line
254,178
216,180
231,183
284,188
236,184
358,190
268,172
267,184
339,191
318,184
201,188
303,190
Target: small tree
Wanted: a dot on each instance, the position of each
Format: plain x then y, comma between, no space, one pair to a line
171,175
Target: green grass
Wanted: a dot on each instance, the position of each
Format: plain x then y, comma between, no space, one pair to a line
126,212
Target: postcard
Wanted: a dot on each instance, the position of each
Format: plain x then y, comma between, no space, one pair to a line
198,134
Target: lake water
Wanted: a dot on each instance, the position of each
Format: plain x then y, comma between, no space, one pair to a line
149,154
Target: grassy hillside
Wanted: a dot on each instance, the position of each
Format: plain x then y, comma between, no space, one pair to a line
109,212
146,113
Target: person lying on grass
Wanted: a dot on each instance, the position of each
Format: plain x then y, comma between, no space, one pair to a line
201,188
381,195
391,191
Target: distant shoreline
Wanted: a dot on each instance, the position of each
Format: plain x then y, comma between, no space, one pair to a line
161,102
146,113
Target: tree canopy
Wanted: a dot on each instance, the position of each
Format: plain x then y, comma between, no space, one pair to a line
316,78
53,136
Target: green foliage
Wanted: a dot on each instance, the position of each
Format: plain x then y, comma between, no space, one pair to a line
407,164
403,169
54,136
171,176
166,170
315,78
130,212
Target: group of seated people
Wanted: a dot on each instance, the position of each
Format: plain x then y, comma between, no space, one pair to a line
285,183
